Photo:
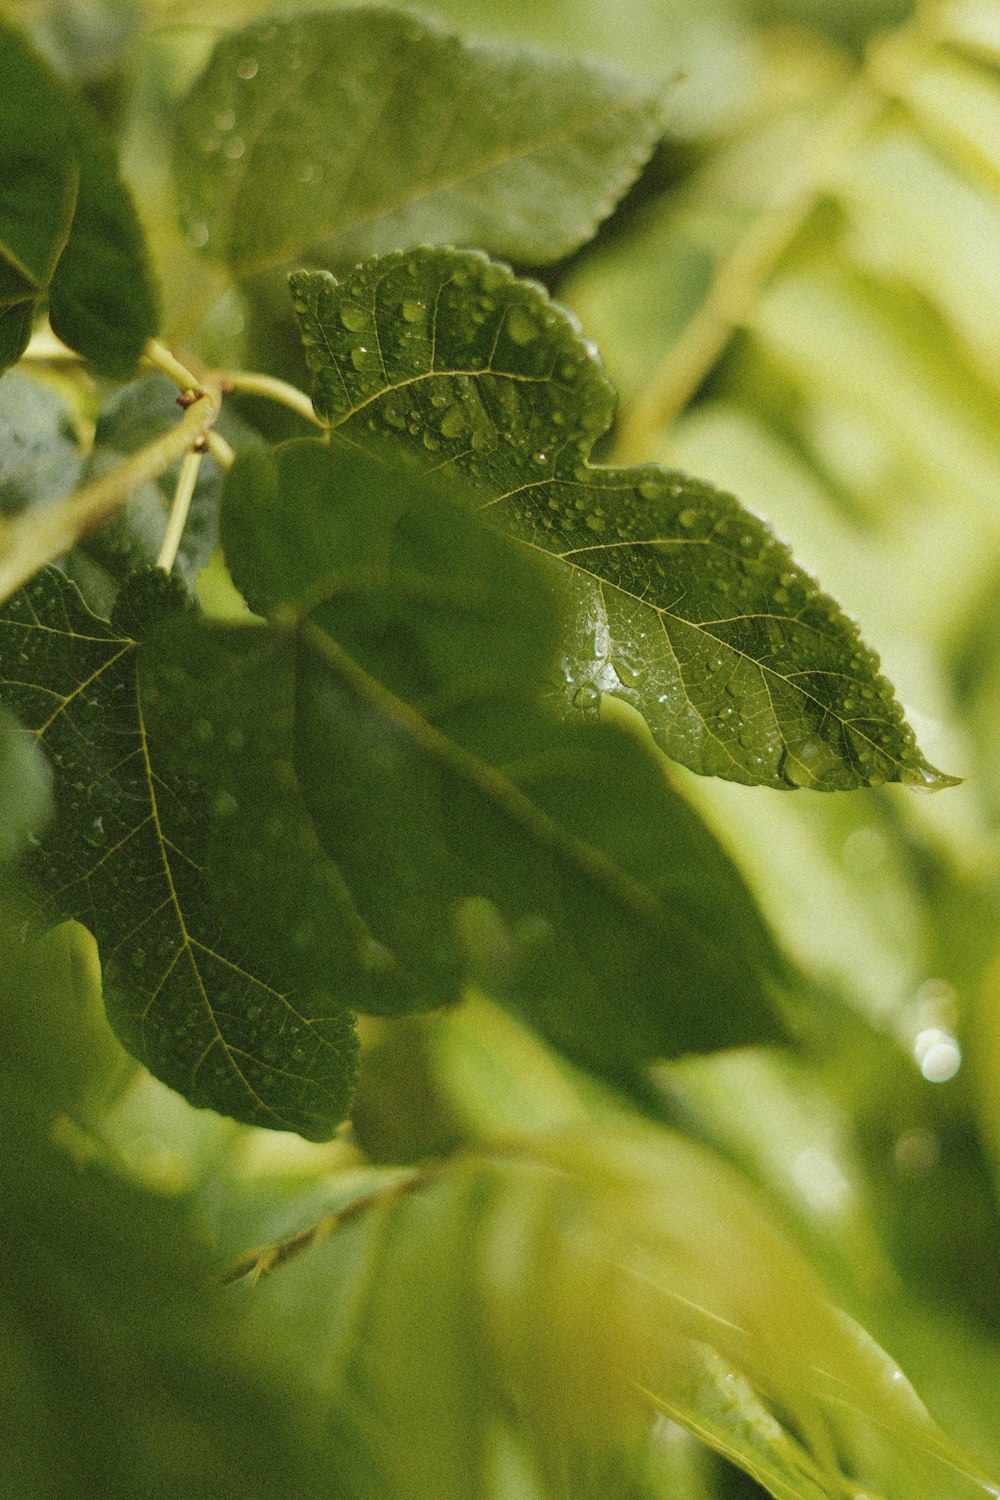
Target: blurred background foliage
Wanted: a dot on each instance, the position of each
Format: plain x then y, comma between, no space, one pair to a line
799,301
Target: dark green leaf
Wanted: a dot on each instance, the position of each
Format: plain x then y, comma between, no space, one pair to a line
685,604
393,813
123,857
121,1373
365,130
68,230
40,458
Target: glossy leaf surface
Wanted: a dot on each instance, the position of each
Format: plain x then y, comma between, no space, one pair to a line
122,856
393,813
348,133
68,230
685,603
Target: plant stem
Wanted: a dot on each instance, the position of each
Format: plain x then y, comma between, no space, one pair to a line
253,384
160,357
186,481
219,449
38,536
742,275
255,1262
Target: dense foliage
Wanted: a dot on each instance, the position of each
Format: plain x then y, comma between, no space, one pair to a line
452,859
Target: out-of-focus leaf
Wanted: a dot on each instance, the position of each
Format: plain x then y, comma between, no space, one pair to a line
68,231
180,996
569,1284
25,788
971,24
40,458
120,1375
342,134
957,105
40,181
392,811
684,603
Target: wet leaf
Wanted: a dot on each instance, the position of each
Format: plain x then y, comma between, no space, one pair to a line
122,856
392,813
686,605
348,133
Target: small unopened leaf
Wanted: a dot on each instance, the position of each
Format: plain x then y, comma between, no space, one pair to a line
123,857
68,230
393,814
352,132
685,604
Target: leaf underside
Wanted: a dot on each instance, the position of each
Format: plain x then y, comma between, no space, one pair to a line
352,133
683,603
122,857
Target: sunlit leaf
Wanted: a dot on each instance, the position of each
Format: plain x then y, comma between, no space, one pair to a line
685,604
122,856
571,1285
346,133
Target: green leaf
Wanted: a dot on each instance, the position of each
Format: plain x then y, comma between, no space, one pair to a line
68,231
25,789
685,604
122,857
391,811
348,133
121,1372
563,1286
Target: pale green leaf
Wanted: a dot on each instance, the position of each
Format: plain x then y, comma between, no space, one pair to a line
571,1283
684,603
337,135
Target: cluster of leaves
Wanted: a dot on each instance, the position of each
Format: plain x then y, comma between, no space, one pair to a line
401,741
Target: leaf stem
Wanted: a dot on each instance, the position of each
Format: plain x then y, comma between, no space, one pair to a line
38,536
186,481
220,450
253,384
255,1263
743,274
160,357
